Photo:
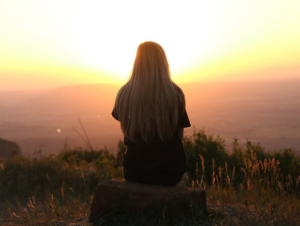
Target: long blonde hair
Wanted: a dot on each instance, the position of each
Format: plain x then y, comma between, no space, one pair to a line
150,104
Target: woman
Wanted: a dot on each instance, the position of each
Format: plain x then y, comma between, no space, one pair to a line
151,111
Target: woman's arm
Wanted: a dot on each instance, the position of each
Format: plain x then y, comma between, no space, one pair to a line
180,133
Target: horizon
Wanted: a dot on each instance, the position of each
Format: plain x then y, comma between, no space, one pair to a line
213,45
265,112
251,81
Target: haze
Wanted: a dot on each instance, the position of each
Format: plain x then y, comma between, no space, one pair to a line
265,112
238,63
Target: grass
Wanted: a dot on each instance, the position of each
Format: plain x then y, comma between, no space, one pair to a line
58,190
261,200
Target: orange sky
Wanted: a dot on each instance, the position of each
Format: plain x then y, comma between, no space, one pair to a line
45,44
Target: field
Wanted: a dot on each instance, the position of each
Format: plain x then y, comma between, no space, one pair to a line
245,186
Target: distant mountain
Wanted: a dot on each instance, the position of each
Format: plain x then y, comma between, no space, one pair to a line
266,112
8,98
72,101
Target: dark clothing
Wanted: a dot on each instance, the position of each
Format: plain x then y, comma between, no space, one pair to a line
162,163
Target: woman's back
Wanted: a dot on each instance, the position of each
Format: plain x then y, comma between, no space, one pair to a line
151,110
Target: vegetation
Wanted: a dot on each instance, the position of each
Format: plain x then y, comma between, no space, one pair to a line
9,149
245,186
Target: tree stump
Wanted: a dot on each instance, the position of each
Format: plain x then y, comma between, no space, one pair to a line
116,194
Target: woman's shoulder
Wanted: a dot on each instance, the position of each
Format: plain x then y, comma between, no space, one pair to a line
121,91
180,96
178,89
122,88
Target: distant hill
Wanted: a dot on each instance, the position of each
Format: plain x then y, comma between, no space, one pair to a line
70,100
265,112
9,149
9,98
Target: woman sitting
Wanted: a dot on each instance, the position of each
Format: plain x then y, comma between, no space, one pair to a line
151,111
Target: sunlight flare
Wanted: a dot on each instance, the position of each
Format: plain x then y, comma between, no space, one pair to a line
96,41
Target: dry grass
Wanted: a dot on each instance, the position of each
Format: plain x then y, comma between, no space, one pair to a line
59,190
262,199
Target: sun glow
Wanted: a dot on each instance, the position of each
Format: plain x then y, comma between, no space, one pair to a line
111,42
96,41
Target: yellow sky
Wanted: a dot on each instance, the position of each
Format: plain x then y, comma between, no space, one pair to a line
57,42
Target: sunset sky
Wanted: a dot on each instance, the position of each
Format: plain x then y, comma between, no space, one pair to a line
45,44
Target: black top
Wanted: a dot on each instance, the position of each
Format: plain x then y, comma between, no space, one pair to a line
158,162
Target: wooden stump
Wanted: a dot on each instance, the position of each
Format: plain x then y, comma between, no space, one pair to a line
114,194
